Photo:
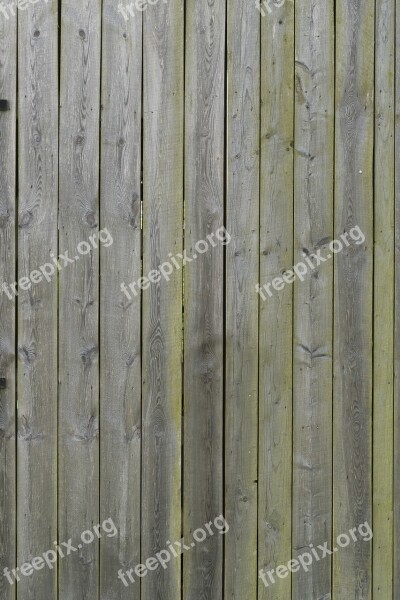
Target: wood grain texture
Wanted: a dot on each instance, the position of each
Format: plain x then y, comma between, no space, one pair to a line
163,55
353,294
37,304
120,342
313,301
382,573
242,271
203,295
276,255
79,295
8,460
396,411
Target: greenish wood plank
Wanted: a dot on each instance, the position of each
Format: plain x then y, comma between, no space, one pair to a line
37,303
8,460
79,295
276,255
313,301
163,110
352,455
120,345
242,272
382,575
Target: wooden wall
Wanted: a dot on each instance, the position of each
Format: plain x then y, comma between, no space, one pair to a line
195,397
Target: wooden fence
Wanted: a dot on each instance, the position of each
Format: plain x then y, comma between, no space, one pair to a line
189,397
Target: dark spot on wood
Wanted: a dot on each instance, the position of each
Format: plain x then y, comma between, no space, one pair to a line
3,383
89,355
4,105
36,33
90,219
25,219
27,355
82,34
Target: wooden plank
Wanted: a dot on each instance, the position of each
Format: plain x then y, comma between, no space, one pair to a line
312,343
163,35
120,347
396,412
353,294
383,301
8,82
242,272
79,293
204,284
276,255
37,304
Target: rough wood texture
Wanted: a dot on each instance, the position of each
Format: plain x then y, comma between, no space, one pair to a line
382,574
242,271
163,55
312,343
120,346
276,255
353,294
8,82
396,412
79,295
203,294
37,305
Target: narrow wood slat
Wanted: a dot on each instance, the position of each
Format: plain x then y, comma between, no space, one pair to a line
382,576
242,272
353,294
120,347
79,295
8,82
276,255
37,306
203,298
163,48
312,343
396,411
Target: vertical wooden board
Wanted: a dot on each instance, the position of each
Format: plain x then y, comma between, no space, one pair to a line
163,55
120,347
383,301
8,75
276,256
396,412
242,272
313,302
204,286
37,303
353,294
79,282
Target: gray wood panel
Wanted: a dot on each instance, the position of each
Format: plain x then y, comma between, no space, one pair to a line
163,120
79,295
37,303
120,327
8,325
204,294
242,271
313,301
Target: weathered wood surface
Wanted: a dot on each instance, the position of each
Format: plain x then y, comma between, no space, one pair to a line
276,312
242,270
79,295
353,314
120,340
8,325
313,323
37,303
163,122
194,396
